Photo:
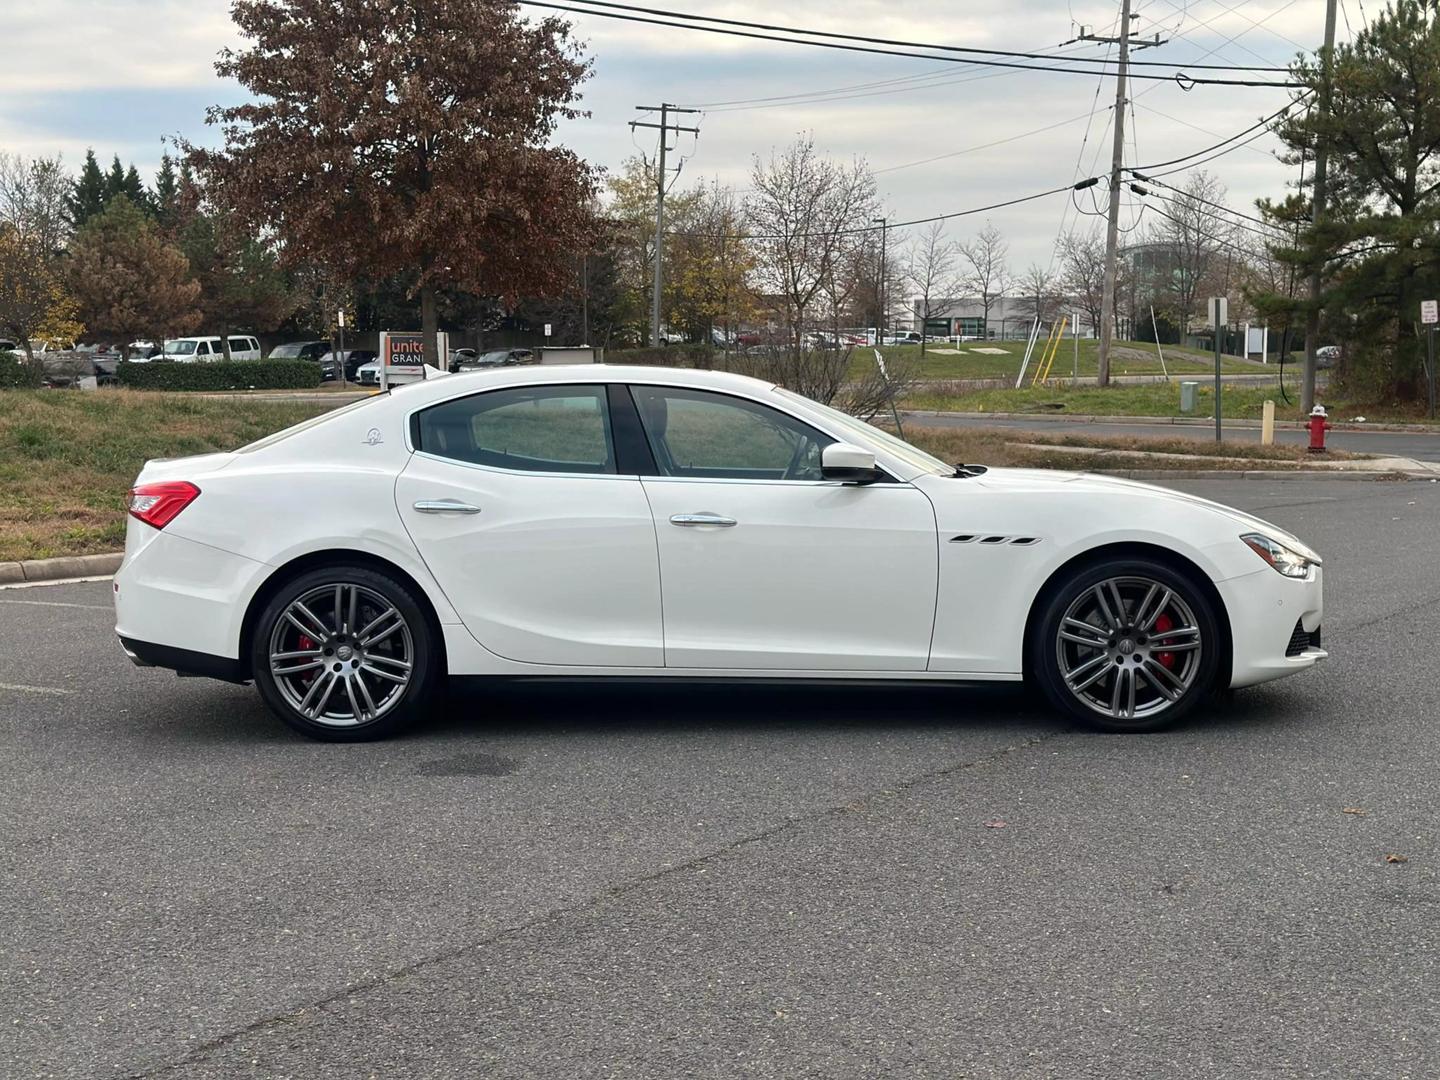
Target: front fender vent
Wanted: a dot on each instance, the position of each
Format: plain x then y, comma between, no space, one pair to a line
992,539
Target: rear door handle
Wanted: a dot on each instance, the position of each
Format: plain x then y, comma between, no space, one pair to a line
702,519
445,506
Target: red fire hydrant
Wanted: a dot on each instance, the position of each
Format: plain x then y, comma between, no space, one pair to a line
1318,427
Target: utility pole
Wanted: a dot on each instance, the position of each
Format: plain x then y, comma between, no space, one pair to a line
664,127
1117,153
1317,213
1112,224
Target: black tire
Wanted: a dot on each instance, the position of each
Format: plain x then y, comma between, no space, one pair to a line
365,676
1140,684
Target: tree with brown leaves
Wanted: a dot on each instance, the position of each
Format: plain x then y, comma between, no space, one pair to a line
407,137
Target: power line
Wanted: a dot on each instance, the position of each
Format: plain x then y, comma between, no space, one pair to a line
777,28
1179,76
983,146
1192,127
862,229
1200,199
936,77
1260,124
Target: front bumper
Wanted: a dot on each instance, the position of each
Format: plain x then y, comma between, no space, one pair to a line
1265,609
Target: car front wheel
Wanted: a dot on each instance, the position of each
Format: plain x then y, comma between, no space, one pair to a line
1127,645
345,654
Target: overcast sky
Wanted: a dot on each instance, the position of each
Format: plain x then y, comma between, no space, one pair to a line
117,75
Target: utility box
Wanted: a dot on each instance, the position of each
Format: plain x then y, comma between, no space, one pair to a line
1188,391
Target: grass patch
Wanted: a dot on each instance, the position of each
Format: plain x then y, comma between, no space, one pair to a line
1126,358
68,457
999,447
1163,399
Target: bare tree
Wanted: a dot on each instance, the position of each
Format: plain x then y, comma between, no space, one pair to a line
987,271
1191,243
1037,287
931,272
32,201
1082,274
807,215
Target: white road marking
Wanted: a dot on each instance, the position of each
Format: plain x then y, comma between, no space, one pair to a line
58,603
21,688
59,581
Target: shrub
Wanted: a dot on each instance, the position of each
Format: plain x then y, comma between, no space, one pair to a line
236,375
691,356
14,372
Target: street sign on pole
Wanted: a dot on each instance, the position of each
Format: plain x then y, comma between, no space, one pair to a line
1219,311
1429,312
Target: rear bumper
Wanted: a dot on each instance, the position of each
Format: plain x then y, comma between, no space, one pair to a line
183,661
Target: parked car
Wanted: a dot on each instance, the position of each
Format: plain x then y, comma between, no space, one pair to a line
368,374
495,358
780,538
191,349
352,360
1328,356
318,351
461,356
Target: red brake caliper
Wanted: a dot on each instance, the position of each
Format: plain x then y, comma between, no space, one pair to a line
306,643
1162,624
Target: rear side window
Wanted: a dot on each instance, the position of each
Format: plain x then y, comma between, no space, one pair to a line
240,344
536,429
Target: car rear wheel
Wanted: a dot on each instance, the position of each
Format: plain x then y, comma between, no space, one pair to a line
345,654
1127,645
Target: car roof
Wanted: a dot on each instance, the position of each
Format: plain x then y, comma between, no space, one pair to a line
530,375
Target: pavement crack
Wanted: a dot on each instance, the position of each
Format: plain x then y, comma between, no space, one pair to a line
879,795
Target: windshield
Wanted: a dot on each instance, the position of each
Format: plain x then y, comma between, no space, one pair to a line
179,348
495,357
911,455
285,352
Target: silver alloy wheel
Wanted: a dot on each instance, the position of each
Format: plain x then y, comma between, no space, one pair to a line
1129,647
342,655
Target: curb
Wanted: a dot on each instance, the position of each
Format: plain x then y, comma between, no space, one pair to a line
70,566
1177,421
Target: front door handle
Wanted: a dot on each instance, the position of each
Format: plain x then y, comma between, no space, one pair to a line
702,519
445,506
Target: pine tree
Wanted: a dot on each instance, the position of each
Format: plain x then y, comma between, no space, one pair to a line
88,197
167,193
115,179
135,190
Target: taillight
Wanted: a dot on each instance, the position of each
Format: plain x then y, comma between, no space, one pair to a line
158,504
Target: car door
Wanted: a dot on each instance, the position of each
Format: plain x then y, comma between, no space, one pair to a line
766,565
514,499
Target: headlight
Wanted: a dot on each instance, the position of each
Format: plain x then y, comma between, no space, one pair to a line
1285,561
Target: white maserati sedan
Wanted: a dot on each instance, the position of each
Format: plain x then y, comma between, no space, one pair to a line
602,522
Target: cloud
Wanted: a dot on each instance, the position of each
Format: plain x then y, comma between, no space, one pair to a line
119,74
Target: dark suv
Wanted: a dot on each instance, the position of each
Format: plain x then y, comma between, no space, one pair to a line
317,351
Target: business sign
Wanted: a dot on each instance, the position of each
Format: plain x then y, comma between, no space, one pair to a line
1429,312
402,355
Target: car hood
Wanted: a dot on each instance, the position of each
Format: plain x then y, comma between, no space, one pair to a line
1041,480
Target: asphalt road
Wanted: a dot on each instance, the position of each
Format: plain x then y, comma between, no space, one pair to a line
736,883
1419,445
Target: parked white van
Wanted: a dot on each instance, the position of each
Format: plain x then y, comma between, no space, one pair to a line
189,349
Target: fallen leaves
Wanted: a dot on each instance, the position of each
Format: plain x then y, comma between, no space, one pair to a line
995,823
1391,857
1356,810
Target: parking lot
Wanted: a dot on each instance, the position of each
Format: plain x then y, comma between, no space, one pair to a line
745,881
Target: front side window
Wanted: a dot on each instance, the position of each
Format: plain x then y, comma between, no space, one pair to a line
535,428
203,349
695,433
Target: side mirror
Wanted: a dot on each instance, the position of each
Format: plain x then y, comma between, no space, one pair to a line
848,464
